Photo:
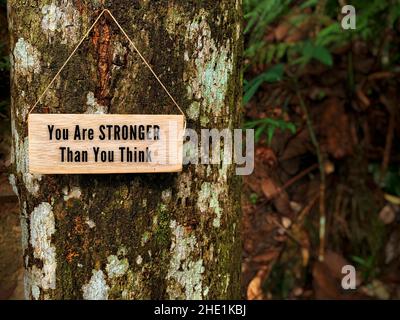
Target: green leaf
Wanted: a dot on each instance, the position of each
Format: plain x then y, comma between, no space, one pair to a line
274,74
291,127
308,50
323,55
359,260
309,3
270,134
332,34
269,126
259,132
312,51
254,198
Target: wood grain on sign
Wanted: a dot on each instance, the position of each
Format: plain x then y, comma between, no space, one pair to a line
101,144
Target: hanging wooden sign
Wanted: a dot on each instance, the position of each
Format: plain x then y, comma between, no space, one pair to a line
99,144
105,143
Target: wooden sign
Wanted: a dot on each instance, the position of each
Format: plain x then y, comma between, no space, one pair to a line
101,144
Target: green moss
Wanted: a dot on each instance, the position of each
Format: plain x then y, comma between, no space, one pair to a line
162,234
145,238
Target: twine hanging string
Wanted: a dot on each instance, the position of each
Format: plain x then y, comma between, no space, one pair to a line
134,47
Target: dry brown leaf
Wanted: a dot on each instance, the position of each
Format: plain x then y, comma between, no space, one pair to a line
280,237
297,146
267,156
362,97
325,286
387,214
302,236
295,36
295,206
266,257
329,167
335,129
305,255
328,276
392,249
254,289
281,31
282,205
297,292
286,222
280,197
269,188
335,262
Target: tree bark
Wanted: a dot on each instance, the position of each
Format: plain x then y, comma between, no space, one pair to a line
158,236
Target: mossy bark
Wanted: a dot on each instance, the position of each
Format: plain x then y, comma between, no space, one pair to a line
160,236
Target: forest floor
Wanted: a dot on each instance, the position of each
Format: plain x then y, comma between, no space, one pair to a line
326,154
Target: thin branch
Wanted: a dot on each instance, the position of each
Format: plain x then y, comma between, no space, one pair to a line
314,140
389,138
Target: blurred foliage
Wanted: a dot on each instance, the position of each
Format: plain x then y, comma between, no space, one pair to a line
390,182
281,281
258,15
368,266
254,198
325,34
282,39
372,18
273,74
310,50
269,126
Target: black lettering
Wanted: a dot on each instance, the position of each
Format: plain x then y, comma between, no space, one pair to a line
102,135
141,133
90,134
77,134
109,127
124,133
96,151
58,134
103,156
133,133
117,130
62,154
141,156
122,149
81,156
128,132
135,155
84,134
51,128
67,155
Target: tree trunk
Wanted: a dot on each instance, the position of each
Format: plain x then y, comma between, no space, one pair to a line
158,236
